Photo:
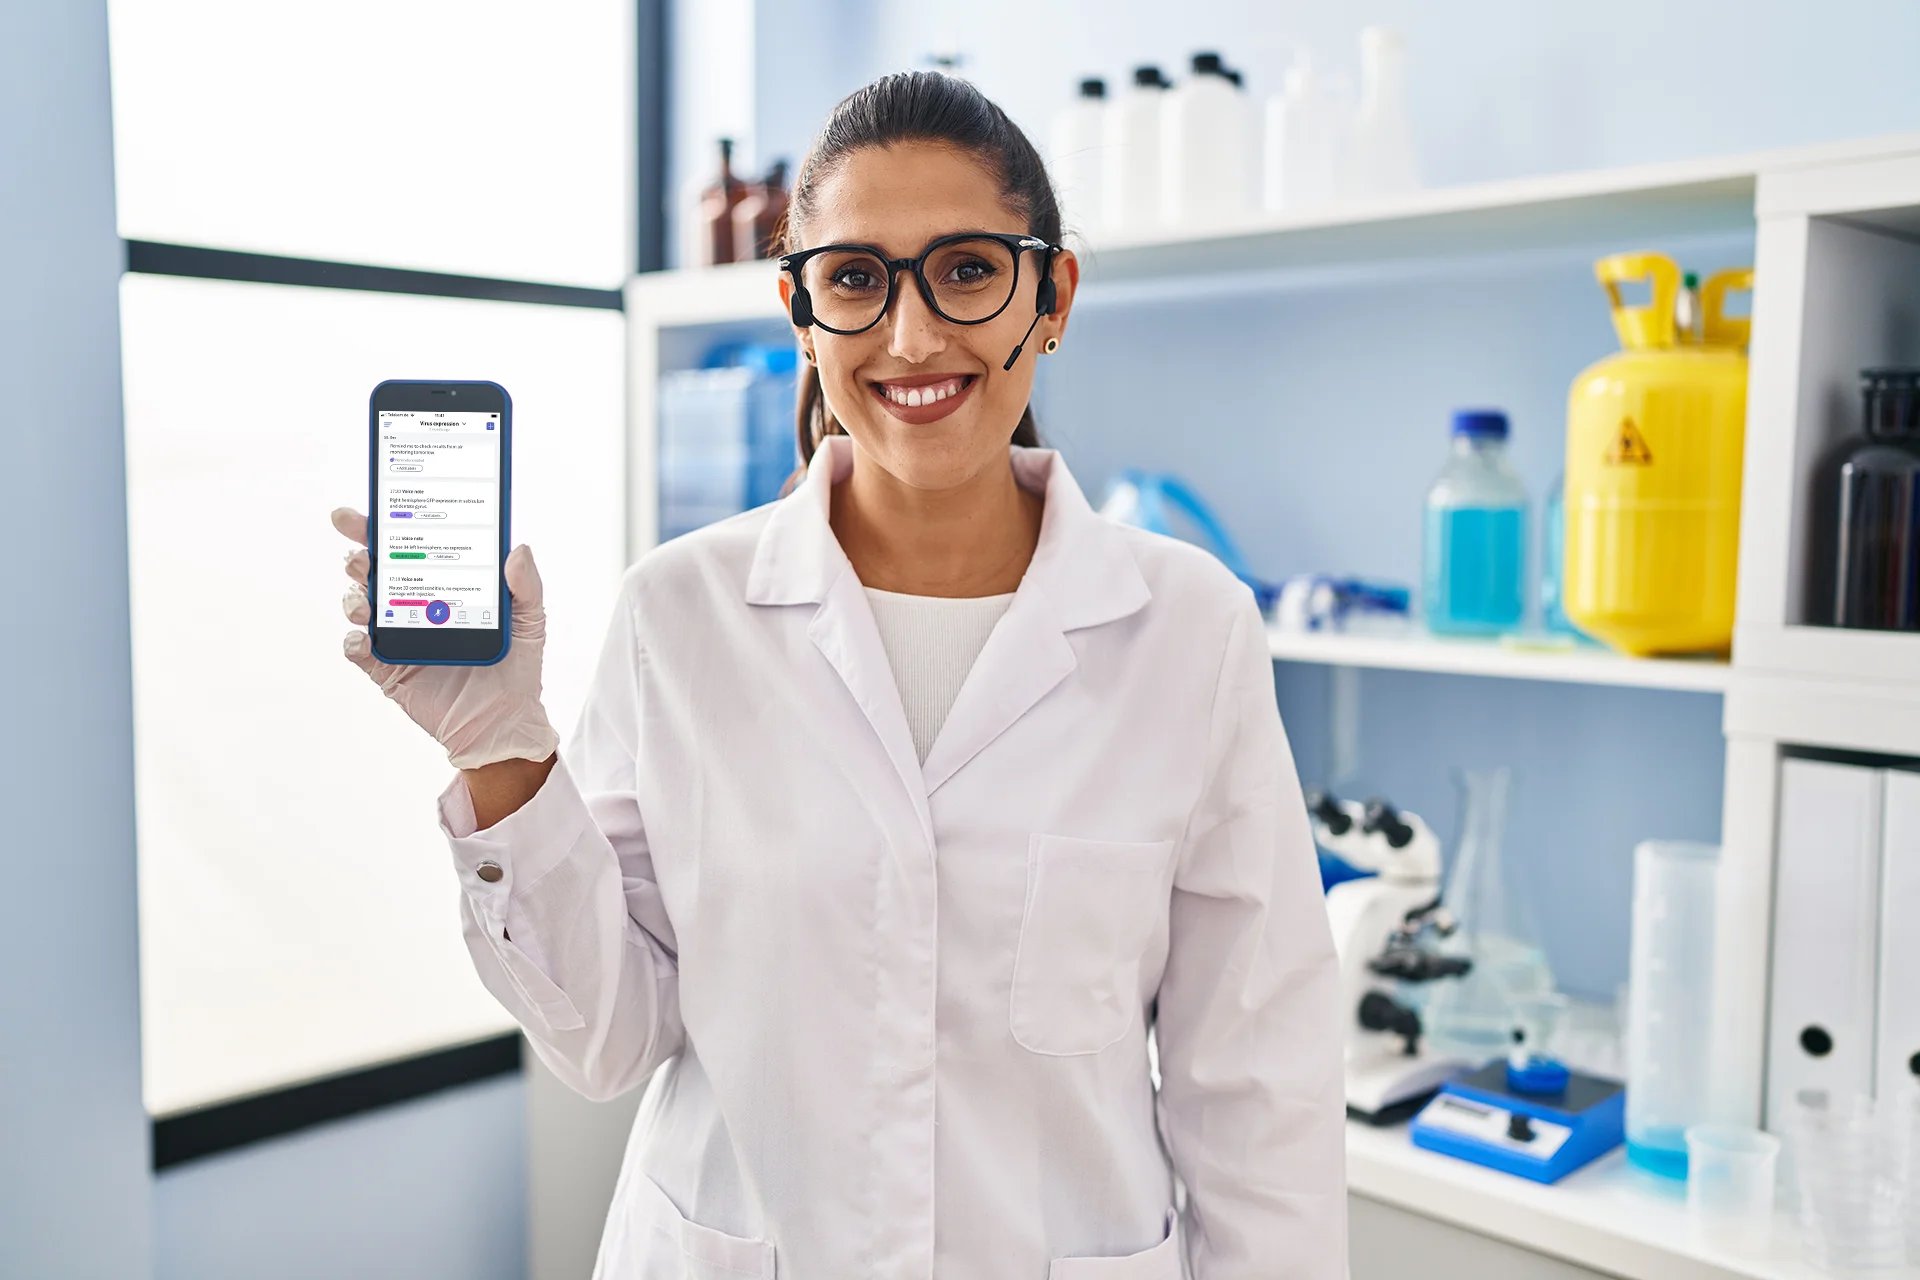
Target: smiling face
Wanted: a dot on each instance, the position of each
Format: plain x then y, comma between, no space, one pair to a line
924,397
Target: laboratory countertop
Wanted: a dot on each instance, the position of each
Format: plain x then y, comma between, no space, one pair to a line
1608,1216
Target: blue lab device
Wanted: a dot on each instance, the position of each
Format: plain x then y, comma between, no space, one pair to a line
1540,1122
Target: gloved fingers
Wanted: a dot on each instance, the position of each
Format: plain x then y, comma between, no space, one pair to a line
357,565
527,595
351,524
523,576
359,651
357,607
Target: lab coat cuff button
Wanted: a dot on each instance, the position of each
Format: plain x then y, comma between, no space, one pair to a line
489,871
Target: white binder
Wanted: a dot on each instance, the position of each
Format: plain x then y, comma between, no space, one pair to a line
1826,922
1898,1055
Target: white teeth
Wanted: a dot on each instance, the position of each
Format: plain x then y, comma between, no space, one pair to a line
914,397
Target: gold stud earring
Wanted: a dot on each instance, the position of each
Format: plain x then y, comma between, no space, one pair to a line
1053,345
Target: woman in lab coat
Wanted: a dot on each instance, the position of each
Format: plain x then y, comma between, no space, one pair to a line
903,809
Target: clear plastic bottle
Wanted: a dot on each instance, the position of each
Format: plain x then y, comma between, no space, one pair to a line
1474,570
1553,563
1381,162
1302,141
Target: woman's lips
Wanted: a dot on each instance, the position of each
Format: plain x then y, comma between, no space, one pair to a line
921,414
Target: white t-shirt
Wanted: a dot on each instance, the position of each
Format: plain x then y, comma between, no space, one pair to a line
931,644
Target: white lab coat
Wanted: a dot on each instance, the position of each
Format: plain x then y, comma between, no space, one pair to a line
900,1013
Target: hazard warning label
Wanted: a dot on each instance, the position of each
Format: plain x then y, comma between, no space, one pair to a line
1629,447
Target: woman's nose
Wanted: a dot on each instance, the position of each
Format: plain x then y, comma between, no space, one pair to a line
914,331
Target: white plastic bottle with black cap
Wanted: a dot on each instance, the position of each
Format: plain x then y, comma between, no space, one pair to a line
1076,146
1207,151
1133,153
1381,161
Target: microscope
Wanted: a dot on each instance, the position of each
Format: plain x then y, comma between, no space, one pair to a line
1384,909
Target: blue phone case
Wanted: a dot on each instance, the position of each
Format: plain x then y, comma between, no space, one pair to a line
506,516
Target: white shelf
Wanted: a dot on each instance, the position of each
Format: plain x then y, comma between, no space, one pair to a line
1570,210
1420,652
1608,1216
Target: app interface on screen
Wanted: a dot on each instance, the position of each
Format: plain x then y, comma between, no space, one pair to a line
438,559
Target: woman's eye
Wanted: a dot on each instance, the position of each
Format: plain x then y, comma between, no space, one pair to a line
853,278
971,273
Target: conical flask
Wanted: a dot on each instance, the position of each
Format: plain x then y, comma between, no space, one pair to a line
1473,1016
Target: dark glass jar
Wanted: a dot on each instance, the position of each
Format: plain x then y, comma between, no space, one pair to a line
1877,550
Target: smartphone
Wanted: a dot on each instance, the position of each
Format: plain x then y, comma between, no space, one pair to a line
437,507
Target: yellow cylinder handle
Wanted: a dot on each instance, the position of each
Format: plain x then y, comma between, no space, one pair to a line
1721,329
1652,325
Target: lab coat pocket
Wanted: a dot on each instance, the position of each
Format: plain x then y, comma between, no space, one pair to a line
1161,1262
663,1244
1090,912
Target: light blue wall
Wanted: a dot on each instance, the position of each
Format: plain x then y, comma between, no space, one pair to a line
1498,88
74,1185
432,1190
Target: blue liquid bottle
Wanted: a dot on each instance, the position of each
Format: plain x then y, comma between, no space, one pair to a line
1476,533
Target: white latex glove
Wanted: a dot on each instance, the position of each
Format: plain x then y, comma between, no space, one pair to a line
479,714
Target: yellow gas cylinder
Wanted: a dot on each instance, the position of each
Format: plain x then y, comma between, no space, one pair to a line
1654,439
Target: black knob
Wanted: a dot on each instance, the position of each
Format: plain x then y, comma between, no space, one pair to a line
1381,1012
1382,818
1519,1127
1816,1041
1913,1064
1323,805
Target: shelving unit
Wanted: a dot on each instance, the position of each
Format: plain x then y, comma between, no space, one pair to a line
1838,265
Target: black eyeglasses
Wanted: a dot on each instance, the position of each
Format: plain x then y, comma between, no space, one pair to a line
966,278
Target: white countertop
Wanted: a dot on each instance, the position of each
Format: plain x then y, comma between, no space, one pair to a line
1609,1216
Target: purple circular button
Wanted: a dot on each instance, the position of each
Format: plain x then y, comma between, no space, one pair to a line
437,612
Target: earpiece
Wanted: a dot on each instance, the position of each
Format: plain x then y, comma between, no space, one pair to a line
1044,301
801,305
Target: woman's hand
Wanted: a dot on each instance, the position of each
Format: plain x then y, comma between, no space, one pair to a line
481,715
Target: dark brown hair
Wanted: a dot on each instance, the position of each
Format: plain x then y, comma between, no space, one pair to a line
915,106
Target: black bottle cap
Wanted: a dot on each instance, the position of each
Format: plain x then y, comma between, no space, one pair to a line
1238,80
1149,77
1208,64
1093,87
1890,401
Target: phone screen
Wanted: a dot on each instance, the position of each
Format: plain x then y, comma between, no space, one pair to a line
438,491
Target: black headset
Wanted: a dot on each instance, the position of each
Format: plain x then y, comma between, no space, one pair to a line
1043,303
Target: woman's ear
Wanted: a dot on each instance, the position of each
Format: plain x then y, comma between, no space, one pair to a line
786,309
1066,279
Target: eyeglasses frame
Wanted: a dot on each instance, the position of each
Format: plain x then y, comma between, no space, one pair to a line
1017,243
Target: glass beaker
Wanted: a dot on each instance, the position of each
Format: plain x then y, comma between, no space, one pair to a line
1669,1001
1473,1016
